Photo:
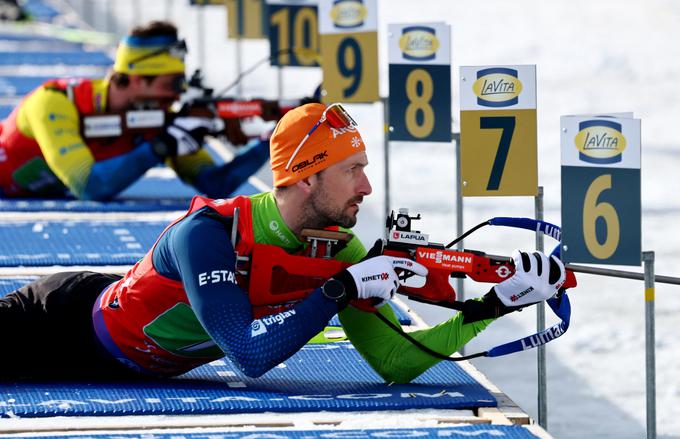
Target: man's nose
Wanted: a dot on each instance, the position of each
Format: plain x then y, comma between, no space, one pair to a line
365,185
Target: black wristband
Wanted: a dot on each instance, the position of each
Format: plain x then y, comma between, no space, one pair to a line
490,307
347,281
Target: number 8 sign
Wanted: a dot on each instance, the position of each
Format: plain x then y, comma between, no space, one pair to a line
420,82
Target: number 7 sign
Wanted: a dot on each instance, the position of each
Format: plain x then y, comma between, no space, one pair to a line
498,130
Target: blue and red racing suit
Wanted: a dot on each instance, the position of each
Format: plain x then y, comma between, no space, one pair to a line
181,305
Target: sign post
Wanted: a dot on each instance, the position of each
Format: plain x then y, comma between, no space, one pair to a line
420,63
602,209
499,153
349,50
245,20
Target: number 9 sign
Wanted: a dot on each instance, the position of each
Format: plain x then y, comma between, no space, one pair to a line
601,206
349,50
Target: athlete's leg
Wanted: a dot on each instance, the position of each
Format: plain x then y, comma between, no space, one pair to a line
47,328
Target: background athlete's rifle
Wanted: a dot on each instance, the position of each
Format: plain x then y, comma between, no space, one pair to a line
198,101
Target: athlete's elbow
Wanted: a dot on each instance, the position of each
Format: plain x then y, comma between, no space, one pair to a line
253,370
95,190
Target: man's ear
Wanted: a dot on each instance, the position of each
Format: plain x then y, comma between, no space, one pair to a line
306,184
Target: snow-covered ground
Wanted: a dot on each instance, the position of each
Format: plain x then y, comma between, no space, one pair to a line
591,56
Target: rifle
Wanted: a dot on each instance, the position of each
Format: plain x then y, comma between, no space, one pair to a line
276,280
227,111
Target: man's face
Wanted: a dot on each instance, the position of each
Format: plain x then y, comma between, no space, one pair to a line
338,191
159,92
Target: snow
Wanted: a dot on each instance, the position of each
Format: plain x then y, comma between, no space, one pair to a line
604,56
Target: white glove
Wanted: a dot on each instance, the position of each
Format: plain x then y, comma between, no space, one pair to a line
191,123
375,277
531,282
184,136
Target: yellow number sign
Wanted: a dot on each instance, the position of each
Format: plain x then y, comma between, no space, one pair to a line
499,152
498,131
350,67
245,19
349,50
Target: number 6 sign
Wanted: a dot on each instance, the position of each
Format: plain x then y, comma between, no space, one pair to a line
601,206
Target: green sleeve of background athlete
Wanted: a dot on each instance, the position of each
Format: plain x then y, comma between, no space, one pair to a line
393,357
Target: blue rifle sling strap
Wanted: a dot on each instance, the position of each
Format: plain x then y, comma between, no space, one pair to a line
559,304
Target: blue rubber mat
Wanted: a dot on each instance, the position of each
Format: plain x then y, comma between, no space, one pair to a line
7,285
45,243
52,58
467,431
330,377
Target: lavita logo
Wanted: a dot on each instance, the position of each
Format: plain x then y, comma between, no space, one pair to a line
348,14
419,43
600,142
497,87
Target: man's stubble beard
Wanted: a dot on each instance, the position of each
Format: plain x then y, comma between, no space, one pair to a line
320,214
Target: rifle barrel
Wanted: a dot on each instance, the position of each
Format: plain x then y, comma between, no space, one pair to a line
622,273
607,272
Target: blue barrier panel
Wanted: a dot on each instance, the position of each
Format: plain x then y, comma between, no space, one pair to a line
20,85
13,43
33,37
39,10
149,194
47,58
5,110
330,377
457,432
46,243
